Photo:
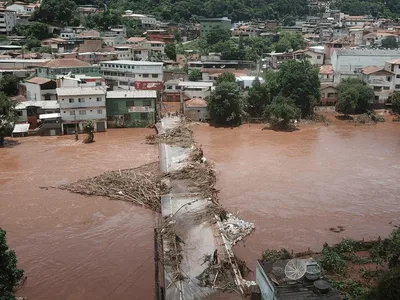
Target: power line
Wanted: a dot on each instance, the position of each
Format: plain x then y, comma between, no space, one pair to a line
127,277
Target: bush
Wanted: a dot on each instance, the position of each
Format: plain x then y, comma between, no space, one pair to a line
275,255
332,261
389,285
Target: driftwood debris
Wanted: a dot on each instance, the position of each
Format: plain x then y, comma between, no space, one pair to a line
140,186
181,136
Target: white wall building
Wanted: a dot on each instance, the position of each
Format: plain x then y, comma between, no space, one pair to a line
79,105
347,62
380,80
40,89
128,73
195,89
394,67
8,20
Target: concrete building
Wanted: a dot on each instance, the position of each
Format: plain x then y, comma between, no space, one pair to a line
196,109
112,41
326,73
206,24
329,94
347,62
78,105
394,67
315,58
131,108
132,52
380,80
65,66
195,89
8,20
350,21
137,41
137,74
40,89
59,45
29,111
375,38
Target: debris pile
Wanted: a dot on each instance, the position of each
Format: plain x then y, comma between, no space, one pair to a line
141,186
180,136
151,139
218,274
235,229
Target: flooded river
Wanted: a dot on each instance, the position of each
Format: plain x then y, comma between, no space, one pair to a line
295,186
73,246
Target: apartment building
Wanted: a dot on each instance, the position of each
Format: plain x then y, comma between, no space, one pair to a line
129,74
207,24
394,67
78,105
8,21
380,80
65,66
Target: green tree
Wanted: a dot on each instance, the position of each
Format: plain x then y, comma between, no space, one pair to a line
389,285
226,77
390,42
88,128
194,75
32,43
394,99
218,34
299,81
9,85
282,111
170,51
289,41
347,101
225,104
10,275
57,12
258,98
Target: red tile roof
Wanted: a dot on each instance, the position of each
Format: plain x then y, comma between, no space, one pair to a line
66,63
136,39
326,69
371,69
196,102
38,80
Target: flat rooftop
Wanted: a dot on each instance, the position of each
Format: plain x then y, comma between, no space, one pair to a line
132,62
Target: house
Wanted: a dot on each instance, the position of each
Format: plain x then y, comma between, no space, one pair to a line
206,24
380,80
246,31
394,67
64,66
21,8
78,105
195,89
347,62
196,109
375,38
40,89
146,21
8,20
80,81
246,82
156,47
209,74
215,62
315,58
132,52
29,111
329,94
96,57
137,40
50,124
326,73
159,35
274,285
58,45
137,74
275,59
330,47
182,59
131,108
112,41
349,21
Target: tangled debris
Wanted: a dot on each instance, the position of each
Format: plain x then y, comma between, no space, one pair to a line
141,186
235,229
151,139
181,136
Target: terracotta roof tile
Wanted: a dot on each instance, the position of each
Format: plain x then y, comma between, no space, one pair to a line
371,69
196,102
136,39
66,63
326,69
38,80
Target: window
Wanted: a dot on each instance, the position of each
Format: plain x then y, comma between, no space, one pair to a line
99,111
82,112
389,78
81,100
377,88
72,113
398,76
144,116
154,75
71,100
397,86
65,112
98,99
145,75
319,57
146,102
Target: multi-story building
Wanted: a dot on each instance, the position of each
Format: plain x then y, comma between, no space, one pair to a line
206,24
138,74
380,80
350,21
65,66
394,67
132,52
347,62
40,89
131,108
78,105
8,21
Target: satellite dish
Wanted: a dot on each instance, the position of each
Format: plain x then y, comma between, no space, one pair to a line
295,269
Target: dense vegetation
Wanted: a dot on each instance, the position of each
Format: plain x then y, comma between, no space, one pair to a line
376,8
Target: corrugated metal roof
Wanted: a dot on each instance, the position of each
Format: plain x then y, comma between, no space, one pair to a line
66,63
132,62
21,128
80,91
49,116
195,84
131,94
367,52
49,104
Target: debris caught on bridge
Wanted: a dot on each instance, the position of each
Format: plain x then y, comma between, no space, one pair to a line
235,229
180,136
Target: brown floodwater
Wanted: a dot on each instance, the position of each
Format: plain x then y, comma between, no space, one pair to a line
296,185
73,246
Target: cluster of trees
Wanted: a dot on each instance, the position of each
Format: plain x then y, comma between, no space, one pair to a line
34,33
354,96
376,8
287,94
394,99
57,12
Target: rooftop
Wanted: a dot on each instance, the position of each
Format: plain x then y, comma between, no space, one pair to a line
38,80
367,52
132,62
374,69
80,91
196,102
326,69
66,63
195,84
136,39
48,104
395,61
131,94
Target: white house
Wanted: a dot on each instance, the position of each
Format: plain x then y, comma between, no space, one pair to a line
39,88
380,80
348,62
78,105
8,20
137,74
195,89
394,67
315,58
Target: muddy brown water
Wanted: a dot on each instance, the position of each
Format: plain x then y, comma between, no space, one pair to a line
295,186
73,246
